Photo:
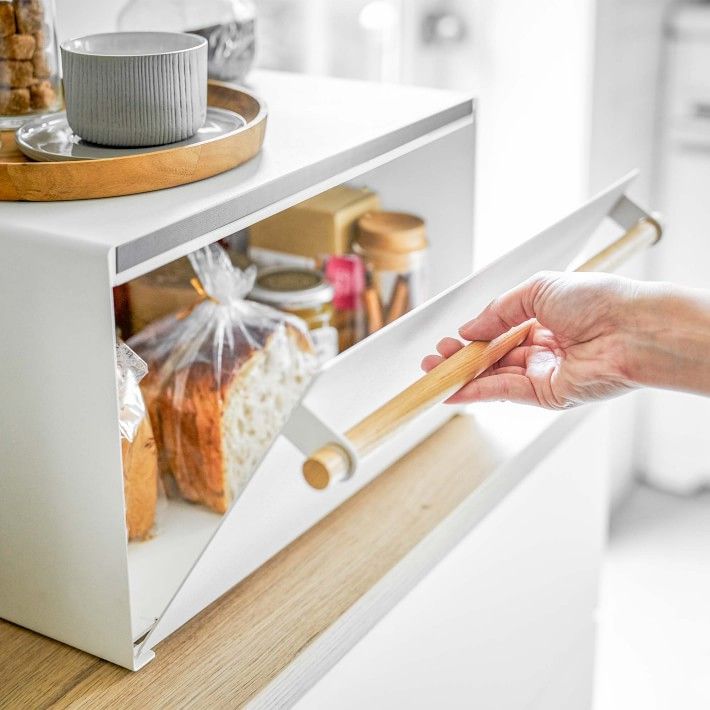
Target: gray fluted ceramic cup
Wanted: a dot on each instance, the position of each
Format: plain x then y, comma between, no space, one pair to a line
135,88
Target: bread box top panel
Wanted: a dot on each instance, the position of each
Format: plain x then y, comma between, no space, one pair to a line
320,131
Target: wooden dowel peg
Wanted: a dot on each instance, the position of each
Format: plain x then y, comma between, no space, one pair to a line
641,236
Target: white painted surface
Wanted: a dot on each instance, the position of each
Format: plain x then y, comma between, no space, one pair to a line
332,136
654,649
494,624
63,569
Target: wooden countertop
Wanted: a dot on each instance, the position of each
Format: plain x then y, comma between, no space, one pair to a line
271,637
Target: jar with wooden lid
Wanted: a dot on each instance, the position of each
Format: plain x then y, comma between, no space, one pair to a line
30,81
394,247
305,293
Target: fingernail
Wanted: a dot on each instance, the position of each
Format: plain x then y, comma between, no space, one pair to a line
466,326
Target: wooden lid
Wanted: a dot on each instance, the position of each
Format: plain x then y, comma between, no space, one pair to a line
391,231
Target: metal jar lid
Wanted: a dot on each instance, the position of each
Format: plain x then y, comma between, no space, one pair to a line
291,287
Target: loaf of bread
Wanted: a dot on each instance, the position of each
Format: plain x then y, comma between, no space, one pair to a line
214,426
223,378
140,481
138,448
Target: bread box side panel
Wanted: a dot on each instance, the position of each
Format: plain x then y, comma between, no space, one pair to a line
277,506
63,566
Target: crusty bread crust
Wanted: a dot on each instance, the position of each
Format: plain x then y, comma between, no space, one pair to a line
187,410
140,481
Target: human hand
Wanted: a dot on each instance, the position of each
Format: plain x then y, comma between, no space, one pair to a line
578,350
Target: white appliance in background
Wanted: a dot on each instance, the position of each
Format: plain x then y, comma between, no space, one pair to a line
675,426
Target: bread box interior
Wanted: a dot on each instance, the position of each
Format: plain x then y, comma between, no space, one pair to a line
158,565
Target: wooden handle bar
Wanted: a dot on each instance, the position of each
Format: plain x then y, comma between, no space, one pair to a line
331,462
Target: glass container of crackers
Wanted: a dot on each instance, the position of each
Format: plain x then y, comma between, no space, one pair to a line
30,80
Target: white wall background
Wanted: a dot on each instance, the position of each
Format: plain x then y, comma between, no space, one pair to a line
624,129
82,17
531,66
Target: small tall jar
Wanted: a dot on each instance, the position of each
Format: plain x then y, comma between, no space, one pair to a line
30,81
346,273
394,247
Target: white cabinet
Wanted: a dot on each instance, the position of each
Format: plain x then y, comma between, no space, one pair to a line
674,426
506,620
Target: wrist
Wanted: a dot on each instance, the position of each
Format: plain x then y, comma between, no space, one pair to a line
667,332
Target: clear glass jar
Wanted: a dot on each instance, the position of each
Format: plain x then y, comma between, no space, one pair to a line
304,293
394,247
228,25
30,81
346,273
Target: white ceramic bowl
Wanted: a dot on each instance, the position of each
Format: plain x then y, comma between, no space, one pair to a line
135,88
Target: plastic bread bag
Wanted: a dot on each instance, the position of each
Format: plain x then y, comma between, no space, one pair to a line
224,377
138,449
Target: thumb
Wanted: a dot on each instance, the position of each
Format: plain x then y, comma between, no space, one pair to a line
512,308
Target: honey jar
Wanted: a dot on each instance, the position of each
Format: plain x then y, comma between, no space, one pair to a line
305,293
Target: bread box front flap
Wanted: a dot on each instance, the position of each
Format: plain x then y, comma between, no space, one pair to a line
277,506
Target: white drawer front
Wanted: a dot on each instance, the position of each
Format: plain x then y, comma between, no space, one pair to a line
493,624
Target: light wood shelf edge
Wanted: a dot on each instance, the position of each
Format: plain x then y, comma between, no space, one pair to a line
275,634
498,475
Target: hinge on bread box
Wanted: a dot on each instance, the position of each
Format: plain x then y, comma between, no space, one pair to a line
309,433
626,213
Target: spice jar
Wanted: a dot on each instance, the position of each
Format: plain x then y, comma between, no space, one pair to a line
304,293
394,247
346,273
29,61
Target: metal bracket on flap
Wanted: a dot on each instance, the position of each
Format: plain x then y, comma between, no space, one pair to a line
309,433
627,214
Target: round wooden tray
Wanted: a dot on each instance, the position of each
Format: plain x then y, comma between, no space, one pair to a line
23,179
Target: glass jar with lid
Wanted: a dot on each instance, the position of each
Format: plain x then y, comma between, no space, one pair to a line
30,81
229,27
394,247
304,293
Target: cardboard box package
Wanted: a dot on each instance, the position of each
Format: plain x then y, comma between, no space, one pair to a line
321,226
